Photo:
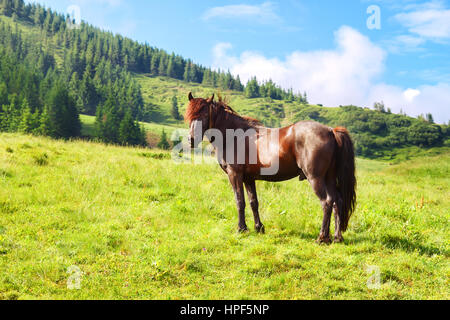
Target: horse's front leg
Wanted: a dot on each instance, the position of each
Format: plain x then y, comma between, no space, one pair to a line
237,183
250,185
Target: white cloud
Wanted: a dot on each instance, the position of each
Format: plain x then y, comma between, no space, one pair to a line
430,20
331,77
348,74
263,13
404,44
411,94
434,99
409,41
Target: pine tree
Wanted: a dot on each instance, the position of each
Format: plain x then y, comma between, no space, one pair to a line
207,78
7,9
154,65
193,73
237,84
64,117
36,122
162,69
45,127
18,7
3,94
88,93
170,68
26,124
14,114
4,118
126,130
252,89
290,96
163,143
187,72
379,106
108,121
175,112
130,133
37,18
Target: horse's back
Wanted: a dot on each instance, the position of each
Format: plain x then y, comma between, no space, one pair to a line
314,147
304,148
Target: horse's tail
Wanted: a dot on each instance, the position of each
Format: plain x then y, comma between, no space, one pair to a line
346,180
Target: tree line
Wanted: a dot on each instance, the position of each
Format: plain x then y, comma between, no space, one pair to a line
269,89
378,130
95,69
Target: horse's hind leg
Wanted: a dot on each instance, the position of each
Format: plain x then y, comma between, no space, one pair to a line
320,188
250,185
337,207
334,194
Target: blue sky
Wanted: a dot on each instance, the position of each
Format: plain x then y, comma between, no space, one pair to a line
324,46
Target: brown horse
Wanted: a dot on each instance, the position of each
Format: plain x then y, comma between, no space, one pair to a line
309,150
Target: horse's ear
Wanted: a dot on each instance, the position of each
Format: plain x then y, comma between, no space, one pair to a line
191,97
211,99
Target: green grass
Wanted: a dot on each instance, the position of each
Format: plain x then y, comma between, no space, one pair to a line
141,227
88,126
154,129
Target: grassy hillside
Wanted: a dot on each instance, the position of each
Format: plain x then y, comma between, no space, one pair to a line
139,226
158,92
375,139
377,134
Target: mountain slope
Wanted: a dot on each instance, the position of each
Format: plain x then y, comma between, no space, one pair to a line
376,133
85,56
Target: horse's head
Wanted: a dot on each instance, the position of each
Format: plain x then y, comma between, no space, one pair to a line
198,114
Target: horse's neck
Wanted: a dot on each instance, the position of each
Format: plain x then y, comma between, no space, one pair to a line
232,122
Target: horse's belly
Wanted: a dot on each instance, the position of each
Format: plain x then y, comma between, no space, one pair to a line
277,178
275,169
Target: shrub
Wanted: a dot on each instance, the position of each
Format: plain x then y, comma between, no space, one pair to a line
41,159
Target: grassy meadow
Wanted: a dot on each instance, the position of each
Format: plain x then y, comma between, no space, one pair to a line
154,130
138,226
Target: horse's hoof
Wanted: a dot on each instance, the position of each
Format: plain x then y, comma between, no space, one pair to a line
260,229
323,240
243,229
338,239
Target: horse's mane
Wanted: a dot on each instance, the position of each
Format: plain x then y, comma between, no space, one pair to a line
196,106
193,110
223,104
